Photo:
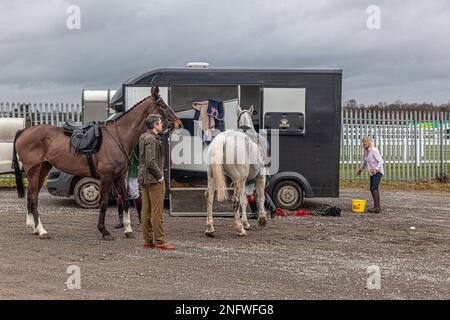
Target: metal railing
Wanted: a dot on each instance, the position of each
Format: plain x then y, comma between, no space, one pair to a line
415,145
42,113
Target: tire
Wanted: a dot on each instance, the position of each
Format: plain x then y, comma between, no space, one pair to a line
87,193
288,195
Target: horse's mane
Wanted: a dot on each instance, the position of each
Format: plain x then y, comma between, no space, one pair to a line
126,112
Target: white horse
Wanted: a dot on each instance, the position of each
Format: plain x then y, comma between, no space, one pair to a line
242,157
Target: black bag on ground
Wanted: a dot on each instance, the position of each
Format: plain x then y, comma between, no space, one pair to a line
327,210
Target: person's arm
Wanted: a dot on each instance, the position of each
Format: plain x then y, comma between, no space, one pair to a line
150,159
363,165
380,161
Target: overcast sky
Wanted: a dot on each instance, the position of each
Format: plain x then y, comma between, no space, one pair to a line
41,59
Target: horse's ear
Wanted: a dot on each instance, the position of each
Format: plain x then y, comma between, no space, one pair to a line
155,92
238,108
251,110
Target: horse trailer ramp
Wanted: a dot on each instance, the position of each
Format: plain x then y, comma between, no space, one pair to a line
191,202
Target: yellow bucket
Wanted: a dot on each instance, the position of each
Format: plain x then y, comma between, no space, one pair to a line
358,205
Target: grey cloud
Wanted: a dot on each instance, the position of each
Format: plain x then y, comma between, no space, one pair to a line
40,59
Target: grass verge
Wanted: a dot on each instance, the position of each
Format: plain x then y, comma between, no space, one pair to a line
400,185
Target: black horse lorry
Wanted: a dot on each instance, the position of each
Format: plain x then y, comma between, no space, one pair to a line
301,108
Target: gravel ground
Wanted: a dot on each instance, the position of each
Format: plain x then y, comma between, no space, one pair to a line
291,258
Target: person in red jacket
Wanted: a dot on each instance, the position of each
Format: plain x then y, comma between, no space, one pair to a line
251,199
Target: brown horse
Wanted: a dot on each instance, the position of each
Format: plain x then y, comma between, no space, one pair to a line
42,147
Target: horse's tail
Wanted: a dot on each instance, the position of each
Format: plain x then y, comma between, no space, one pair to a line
15,165
217,168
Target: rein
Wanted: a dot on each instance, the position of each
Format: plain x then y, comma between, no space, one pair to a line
118,142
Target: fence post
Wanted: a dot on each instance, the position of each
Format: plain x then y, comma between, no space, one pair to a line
426,141
441,144
410,146
346,152
341,158
446,139
356,137
396,148
435,160
416,148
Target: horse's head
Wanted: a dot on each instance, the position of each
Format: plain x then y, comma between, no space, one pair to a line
169,118
244,118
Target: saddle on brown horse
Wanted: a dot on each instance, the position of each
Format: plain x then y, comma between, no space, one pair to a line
84,140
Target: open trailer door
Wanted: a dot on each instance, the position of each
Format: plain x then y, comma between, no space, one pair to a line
188,181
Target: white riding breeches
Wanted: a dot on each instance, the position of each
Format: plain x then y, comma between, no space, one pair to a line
133,188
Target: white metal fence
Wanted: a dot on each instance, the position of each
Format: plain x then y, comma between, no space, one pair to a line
39,113
43,113
415,145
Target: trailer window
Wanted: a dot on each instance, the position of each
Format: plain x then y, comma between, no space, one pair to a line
284,109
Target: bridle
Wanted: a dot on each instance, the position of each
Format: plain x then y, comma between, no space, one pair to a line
157,102
240,115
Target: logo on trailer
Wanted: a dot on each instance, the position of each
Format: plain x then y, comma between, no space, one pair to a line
284,122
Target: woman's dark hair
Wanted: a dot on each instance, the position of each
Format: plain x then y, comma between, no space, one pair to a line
152,119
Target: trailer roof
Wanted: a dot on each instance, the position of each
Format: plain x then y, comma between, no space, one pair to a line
238,74
170,76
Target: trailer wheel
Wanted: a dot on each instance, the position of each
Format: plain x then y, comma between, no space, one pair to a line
87,193
288,195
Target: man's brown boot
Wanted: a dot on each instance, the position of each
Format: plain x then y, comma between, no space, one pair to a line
164,246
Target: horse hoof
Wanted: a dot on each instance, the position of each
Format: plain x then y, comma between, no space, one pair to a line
210,234
242,234
247,227
262,222
107,237
44,236
129,235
